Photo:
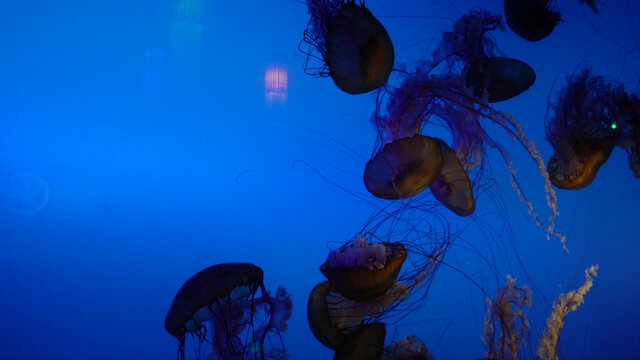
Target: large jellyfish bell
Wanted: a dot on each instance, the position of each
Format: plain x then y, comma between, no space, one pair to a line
354,47
403,168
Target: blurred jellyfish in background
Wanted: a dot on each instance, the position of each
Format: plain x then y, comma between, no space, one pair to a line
275,85
367,285
27,193
224,296
492,77
351,45
532,20
588,119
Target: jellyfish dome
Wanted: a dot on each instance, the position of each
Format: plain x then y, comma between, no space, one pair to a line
495,77
353,46
585,125
453,187
224,296
532,20
502,78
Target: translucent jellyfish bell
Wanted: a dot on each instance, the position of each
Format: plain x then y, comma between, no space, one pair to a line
503,78
532,20
403,168
453,187
356,50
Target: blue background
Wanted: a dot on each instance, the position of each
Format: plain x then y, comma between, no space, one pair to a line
124,127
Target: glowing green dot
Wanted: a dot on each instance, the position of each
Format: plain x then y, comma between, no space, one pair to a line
614,125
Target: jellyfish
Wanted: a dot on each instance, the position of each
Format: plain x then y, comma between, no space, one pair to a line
403,168
425,100
586,123
532,20
491,77
224,295
370,263
353,46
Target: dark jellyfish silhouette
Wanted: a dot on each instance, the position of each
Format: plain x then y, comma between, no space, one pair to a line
502,78
589,118
532,20
224,296
453,187
363,283
497,77
365,343
403,168
354,47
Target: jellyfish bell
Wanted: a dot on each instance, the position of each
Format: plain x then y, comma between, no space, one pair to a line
355,47
579,170
408,348
403,168
453,187
359,282
359,52
501,77
532,20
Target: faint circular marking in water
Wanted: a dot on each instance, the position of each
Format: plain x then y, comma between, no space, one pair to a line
27,193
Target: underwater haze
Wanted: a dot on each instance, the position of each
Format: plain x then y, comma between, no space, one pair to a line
144,141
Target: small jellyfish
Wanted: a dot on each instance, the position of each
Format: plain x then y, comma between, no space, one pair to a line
358,281
585,125
489,75
354,47
453,187
224,296
532,20
403,168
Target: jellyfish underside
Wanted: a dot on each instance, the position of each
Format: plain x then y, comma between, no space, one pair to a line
359,52
505,77
403,168
453,187
578,171
363,284
532,20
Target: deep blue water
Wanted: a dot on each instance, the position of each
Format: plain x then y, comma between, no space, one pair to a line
138,146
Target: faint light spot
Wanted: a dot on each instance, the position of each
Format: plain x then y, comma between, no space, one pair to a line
275,85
